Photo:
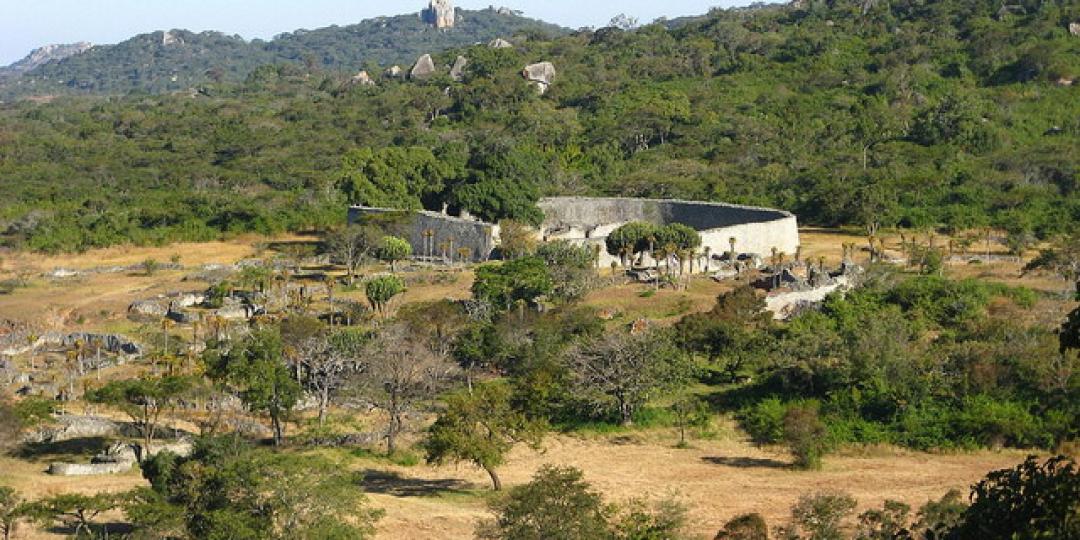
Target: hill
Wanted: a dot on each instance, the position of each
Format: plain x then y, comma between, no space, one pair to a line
952,116
179,59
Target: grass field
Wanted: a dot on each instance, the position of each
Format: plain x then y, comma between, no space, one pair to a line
717,478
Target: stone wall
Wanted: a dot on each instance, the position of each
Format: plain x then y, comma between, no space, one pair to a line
590,220
481,238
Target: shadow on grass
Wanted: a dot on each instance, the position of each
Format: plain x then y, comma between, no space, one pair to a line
746,462
74,448
391,483
98,530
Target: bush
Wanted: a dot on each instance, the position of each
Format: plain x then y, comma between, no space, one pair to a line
805,434
744,527
764,421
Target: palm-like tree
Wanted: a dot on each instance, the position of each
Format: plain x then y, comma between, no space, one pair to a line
166,325
463,254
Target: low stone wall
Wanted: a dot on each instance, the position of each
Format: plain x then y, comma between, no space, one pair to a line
88,469
481,238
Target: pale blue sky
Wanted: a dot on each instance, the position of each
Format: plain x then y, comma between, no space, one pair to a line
26,24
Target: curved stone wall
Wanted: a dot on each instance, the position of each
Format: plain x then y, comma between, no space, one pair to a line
756,230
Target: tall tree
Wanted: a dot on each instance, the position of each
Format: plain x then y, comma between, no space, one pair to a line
480,427
255,368
401,374
619,372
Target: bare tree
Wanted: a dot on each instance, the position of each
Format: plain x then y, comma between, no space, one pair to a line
401,373
325,365
620,371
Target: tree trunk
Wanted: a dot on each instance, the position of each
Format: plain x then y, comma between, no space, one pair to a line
279,436
496,483
626,412
324,403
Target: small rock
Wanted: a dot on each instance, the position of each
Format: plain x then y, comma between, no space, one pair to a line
1074,28
500,43
394,72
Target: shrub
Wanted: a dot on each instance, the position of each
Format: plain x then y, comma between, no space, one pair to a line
805,434
744,527
764,421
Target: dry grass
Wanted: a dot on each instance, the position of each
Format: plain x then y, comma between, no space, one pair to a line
717,480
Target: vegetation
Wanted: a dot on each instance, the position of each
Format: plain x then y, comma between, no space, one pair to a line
147,63
947,115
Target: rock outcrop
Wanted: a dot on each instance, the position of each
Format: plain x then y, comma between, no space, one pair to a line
424,68
362,79
70,427
1074,28
457,72
541,74
500,43
44,55
440,14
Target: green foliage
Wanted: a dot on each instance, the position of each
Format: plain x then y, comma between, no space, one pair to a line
381,290
558,504
143,399
631,239
572,268
12,510
480,427
819,516
970,129
227,489
255,368
198,59
73,511
804,434
394,249
520,280
1032,500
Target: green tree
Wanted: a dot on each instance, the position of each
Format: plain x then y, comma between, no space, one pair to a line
805,434
502,284
628,240
145,400
391,177
12,510
572,269
480,427
618,373
226,489
381,290
1032,500
394,249
819,516
255,368
558,504
74,511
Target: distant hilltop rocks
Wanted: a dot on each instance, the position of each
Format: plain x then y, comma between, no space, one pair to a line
44,55
440,14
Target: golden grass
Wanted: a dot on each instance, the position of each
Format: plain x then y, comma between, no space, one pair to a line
716,479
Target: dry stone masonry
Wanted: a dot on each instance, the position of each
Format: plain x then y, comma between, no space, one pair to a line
588,220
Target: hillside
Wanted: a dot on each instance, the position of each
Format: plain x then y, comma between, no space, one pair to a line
179,59
951,116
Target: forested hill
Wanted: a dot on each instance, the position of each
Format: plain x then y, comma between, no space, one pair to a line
954,114
178,59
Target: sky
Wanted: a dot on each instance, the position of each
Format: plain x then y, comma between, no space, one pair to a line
28,24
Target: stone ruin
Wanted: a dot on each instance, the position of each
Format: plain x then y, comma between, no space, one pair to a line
588,221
